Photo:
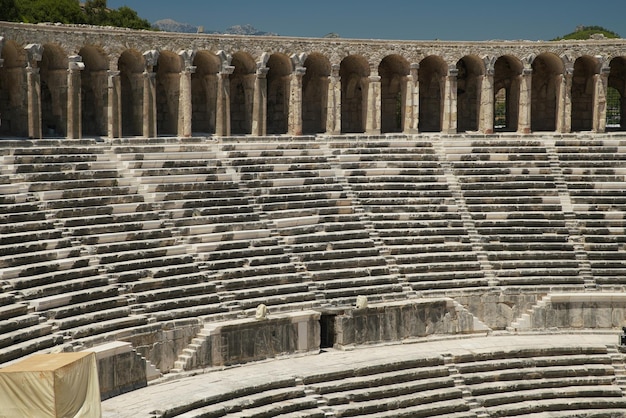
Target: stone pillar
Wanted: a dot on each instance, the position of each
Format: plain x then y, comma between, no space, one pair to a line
33,81
149,95
525,85
412,101
564,101
449,117
74,107
295,101
222,112
487,95
114,105
185,107
601,82
259,105
373,111
333,114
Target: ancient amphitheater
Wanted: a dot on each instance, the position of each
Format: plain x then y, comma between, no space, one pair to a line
434,228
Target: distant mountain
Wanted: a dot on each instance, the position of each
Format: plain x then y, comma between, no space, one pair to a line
169,25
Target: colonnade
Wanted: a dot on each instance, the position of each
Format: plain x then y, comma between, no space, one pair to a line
46,92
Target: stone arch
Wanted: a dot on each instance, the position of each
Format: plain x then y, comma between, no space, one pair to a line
393,71
241,93
582,92
278,80
204,84
431,75
353,72
53,71
471,69
617,81
168,68
315,93
547,69
13,99
94,90
131,66
507,72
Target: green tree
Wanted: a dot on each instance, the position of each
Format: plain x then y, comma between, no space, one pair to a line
36,11
126,17
8,11
585,32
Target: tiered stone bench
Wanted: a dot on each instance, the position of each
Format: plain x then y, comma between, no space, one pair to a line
402,188
511,193
596,180
523,381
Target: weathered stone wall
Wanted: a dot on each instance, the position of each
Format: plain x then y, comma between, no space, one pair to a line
176,84
397,321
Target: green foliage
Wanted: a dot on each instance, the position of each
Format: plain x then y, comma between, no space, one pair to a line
64,11
93,12
8,10
585,32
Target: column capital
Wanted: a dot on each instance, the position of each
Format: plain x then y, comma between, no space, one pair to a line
297,60
34,53
113,73
261,72
299,71
453,72
75,63
151,57
374,78
227,70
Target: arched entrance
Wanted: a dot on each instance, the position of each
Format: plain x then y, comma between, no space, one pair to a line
507,72
431,76
315,94
204,84
470,71
278,80
13,100
241,93
546,80
131,65
393,71
353,72
582,93
616,95
168,68
94,91
53,70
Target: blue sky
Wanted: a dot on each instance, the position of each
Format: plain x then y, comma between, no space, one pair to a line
393,19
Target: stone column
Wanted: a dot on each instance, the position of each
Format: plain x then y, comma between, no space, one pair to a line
33,81
222,111
185,110
114,105
295,101
412,102
564,101
601,82
74,108
373,111
149,95
222,122
525,86
449,117
259,104
333,114
487,95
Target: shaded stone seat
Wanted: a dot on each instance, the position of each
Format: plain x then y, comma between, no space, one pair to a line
86,307
78,215
21,349
107,326
87,189
129,239
27,233
69,323
166,293
573,404
42,268
12,261
10,309
73,297
138,266
133,200
58,288
15,323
